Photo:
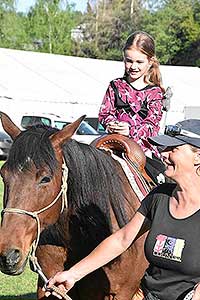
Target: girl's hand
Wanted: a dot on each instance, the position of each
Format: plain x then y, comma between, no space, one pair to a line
111,126
118,127
63,280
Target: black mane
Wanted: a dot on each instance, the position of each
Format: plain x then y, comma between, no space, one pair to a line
34,145
94,186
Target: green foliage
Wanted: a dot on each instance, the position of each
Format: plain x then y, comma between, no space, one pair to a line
106,27
179,28
12,32
50,24
7,5
55,26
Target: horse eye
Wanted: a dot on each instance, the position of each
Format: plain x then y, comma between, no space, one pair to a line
45,179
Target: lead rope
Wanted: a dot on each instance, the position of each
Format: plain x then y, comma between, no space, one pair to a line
33,258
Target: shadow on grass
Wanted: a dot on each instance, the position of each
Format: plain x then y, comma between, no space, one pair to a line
22,297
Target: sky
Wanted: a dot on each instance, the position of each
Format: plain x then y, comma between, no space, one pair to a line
23,5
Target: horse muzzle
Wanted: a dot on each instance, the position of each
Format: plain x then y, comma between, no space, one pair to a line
12,262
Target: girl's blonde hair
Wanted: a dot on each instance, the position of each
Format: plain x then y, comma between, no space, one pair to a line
144,42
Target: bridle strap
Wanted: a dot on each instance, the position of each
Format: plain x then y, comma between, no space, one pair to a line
34,214
31,214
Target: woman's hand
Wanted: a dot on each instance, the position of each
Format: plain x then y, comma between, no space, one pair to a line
118,127
196,292
63,280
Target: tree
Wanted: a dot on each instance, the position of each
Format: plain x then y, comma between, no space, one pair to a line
175,27
54,26
51,23
106,26
12,26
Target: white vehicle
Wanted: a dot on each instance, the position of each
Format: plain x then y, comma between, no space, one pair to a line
85,133
5,144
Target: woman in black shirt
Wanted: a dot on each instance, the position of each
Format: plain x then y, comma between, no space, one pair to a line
171,213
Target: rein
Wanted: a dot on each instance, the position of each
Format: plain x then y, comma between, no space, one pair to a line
34,215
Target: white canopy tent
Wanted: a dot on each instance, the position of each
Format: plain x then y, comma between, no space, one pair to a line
73,86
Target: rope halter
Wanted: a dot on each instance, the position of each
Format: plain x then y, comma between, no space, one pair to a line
34,214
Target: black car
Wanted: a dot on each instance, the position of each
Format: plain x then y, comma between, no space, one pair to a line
5,144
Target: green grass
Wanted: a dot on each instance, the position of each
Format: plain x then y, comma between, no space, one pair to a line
17,287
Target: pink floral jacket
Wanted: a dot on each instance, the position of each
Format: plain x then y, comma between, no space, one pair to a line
141,127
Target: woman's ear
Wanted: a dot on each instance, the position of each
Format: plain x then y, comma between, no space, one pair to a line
197,158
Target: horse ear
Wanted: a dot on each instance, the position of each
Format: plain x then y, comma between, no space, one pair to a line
66,133
9,126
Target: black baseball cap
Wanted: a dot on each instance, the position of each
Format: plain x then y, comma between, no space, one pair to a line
184,132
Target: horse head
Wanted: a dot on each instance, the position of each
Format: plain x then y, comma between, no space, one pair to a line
32,177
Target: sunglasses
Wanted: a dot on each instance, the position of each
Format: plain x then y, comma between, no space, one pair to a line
174,130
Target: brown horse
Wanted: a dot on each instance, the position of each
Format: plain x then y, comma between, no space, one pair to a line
99,201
